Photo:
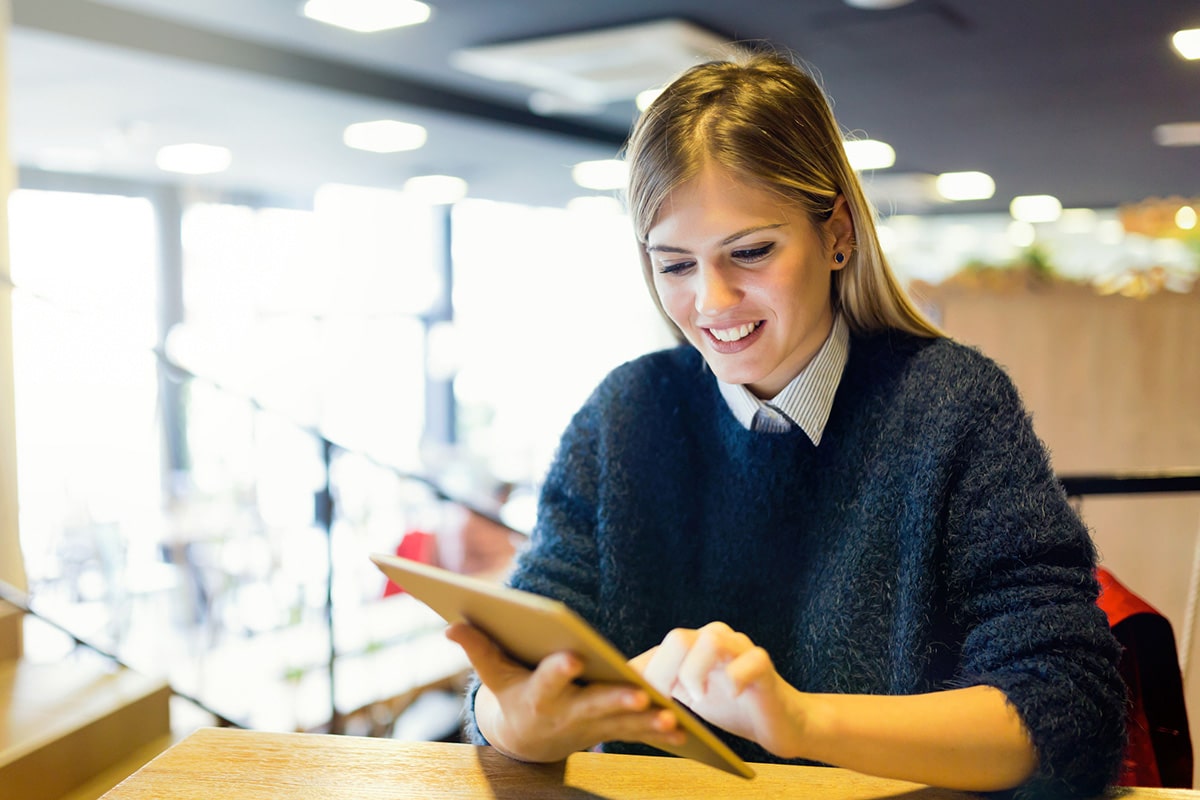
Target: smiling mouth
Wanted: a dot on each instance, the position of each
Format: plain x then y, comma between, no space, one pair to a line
734,334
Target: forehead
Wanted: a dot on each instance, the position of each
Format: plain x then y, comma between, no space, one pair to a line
715,202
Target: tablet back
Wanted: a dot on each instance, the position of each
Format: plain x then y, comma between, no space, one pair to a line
529,627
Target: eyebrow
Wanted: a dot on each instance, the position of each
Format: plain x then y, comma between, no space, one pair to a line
666,248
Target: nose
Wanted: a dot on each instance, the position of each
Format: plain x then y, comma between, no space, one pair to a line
714,291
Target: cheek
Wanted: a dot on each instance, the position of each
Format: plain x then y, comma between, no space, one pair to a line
807,285
674,300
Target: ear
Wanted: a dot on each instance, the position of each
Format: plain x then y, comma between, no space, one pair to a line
839,231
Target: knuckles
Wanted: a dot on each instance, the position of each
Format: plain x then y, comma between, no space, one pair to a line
679,637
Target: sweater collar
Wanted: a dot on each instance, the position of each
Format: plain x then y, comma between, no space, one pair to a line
808,399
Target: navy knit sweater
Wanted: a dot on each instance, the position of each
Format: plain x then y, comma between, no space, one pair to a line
924,545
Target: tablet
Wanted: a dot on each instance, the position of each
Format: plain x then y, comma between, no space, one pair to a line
529,627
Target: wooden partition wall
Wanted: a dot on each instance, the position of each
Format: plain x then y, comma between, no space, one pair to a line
11,564
1113,384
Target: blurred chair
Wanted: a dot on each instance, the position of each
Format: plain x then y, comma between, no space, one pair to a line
1159,752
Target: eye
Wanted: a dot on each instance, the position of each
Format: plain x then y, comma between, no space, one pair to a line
675,267
752,254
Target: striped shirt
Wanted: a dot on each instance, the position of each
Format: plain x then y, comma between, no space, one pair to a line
805,401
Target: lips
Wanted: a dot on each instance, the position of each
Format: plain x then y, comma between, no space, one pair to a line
734,338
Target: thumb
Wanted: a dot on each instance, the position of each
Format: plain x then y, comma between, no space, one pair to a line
642,660
495,669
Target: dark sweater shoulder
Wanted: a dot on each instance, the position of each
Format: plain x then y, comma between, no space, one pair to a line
938,374
927,357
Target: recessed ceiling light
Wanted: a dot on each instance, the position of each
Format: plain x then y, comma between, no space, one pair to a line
1185,218
1178,134
965,185
1077,220
193,159
609,173
1187,43
367,16
436,189
384,136
870,154
877,5
911,191
1035,208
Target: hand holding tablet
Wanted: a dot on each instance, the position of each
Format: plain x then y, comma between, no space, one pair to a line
528,627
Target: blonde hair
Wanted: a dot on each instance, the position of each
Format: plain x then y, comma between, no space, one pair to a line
762,117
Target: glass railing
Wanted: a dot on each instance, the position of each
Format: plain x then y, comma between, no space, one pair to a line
249,588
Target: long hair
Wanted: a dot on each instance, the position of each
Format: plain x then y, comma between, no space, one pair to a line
765,119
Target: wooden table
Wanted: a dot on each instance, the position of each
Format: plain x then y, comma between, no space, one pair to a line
248,765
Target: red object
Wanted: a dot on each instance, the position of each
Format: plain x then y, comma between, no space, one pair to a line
1159,752
417,546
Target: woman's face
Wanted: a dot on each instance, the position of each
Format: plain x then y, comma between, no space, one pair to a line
746,277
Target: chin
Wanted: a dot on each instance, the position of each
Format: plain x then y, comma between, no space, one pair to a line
734,375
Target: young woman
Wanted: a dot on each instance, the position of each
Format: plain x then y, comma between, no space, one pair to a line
825,527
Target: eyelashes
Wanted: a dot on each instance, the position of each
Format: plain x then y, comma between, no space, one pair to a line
752,254
743,255
678,266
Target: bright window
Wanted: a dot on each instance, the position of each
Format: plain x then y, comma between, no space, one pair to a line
312,314
547,301
88,439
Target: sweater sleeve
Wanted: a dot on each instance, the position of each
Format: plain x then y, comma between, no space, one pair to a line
1022,566
561,558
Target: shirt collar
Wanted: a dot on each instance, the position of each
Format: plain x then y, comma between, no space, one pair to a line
808,399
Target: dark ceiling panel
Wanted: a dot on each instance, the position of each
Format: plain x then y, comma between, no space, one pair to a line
1058,97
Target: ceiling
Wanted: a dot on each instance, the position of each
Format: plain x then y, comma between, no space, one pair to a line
1048,97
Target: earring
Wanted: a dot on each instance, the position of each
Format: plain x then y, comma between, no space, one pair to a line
839,257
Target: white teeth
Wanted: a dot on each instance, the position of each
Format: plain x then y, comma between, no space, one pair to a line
733,334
